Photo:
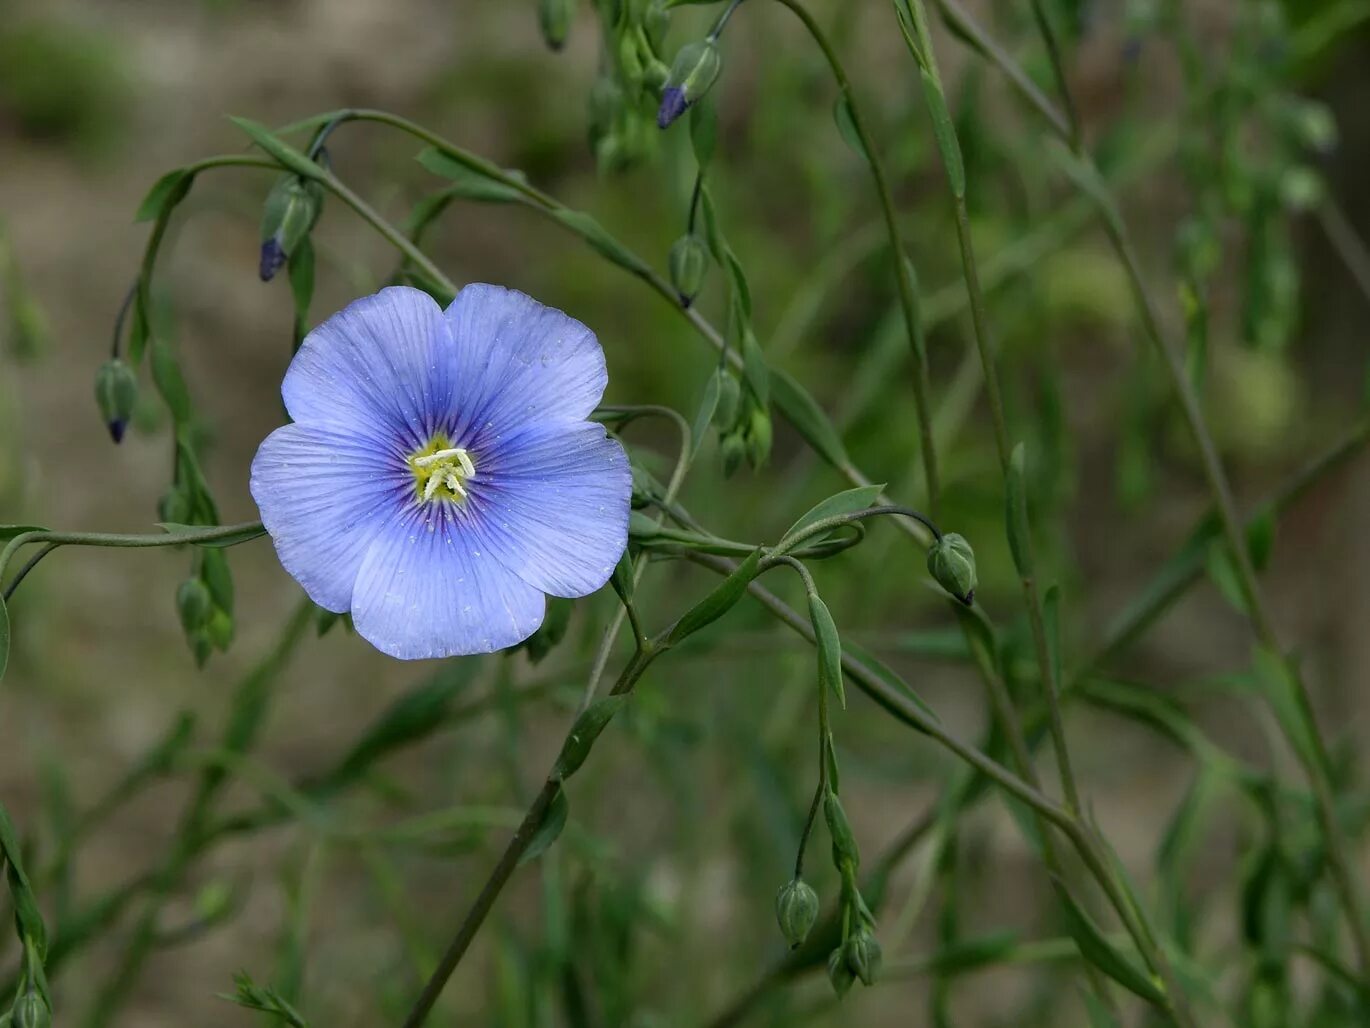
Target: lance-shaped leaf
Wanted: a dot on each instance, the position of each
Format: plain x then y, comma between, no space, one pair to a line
848,501
583,735
1096,949
829,648
549,828
285,154
718,602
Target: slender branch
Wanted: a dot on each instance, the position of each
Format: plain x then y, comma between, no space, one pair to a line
908,299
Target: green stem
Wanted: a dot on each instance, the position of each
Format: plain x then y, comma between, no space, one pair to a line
908,299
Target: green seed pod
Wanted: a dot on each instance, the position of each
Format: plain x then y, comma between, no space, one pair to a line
729,401
116,391
194,605
839,974
32,1012
758,437
951,562
734,450
796,910
693,72
554,17
688,262
864,956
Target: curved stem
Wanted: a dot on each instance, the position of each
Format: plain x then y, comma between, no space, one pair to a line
908,299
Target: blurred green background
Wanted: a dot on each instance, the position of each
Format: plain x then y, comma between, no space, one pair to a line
655,909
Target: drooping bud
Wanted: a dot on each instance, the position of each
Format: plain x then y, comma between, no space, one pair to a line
951,562
194,605
693,71
32,1012
729,400
554,16
796,910
734,450
116,391
864,956
688,262
758,437
219,630
174,506
292,208
840,975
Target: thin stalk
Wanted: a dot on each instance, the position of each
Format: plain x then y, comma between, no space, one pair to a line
1317,764
513,853
908,299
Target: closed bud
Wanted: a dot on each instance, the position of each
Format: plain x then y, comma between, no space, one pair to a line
951,562
758,437
194,605
734,451
116,391
32,1012
840,975
796,910
864,956
688,262
729,400
694,70
554,16
292,208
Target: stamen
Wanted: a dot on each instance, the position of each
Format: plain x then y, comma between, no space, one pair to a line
443,472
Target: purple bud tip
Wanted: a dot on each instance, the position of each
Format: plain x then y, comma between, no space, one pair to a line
685,300
116,430
673,104
273,257
969,598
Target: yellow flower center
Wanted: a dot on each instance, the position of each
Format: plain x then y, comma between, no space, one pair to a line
441,470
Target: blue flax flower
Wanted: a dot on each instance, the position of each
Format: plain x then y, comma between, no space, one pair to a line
440,475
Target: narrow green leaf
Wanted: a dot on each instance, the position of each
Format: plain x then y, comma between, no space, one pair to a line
843,840
622,578
975,952
4,636
1016,516
846,125
595,234
718,602
467,182
171,384
944,130
1274,675
830,756
703,131
755,369
166,192
1222,571
584,733
1260,539
704,415
846,502
1096,949
244,534
28,918
552,824
829,648
891,678
808,418
284,154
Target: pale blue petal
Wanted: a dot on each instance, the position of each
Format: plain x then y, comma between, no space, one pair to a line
518,361
551,502
383,365
323,495
428,588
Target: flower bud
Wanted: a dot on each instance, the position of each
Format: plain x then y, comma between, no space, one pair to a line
292,208
688,262
796,909
174,507
32,1012
864,956
554,16
194,605
219,630
758,437
116,391
729,400
841,976
734,450
951,562
694,70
